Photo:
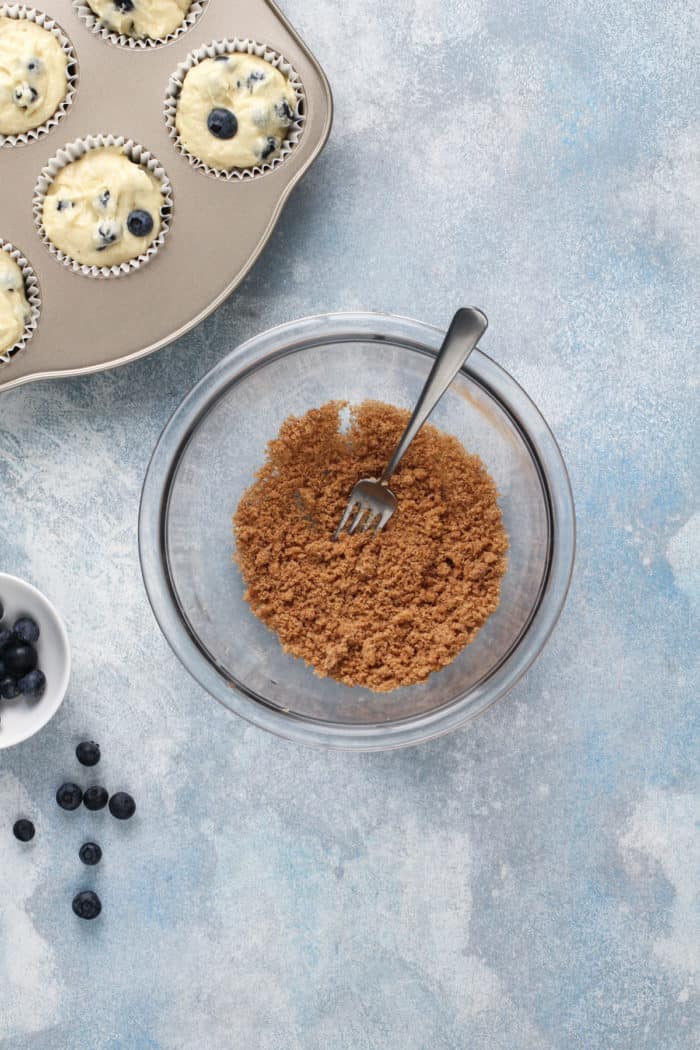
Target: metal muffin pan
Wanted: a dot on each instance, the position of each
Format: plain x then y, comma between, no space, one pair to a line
219,227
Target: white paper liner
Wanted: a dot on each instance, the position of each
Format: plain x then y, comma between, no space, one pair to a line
20,11
74,151
92,21
229,47
33,295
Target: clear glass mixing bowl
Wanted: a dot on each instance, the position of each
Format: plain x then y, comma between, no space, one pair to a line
207,456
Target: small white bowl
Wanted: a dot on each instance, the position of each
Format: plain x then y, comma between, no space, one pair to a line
23,717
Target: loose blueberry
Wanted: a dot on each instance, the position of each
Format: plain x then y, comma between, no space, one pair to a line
19,658
222,123
95,798
87,905
32,684
269,147
9,688
5,635
90,853
26,629
23,830
139,223
88,753
69,796
122,805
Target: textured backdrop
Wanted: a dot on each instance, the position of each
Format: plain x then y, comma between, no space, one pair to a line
527,883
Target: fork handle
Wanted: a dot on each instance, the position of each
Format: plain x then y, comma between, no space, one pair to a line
468,326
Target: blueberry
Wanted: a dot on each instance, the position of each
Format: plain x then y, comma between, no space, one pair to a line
90,853
95,798
124,5
33,65
87,905
26,629
69,796
284,110
23,830
269,147
104,198
62,205
88,753
9,688
5,635
122,806
19,658
222,123
139,223
32,684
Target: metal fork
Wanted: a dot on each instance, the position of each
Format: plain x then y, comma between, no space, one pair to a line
371,498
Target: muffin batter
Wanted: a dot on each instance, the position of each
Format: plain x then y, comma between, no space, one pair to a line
234,111
14,308
103,209
33,75
155,19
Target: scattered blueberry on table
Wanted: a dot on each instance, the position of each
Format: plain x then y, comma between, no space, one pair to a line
95,798
23,830
90,853
88,753
69,796
87,905
122,806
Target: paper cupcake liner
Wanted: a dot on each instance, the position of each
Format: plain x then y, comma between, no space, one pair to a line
74,151
33,295
229,47
92,21
19,11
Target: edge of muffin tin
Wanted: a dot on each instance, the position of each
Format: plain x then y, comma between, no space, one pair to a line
231,47
32,291
92,21
73,151
21,12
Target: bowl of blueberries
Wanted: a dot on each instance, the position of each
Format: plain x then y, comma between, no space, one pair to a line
35,660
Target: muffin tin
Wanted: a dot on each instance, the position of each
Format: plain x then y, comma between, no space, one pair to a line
219,226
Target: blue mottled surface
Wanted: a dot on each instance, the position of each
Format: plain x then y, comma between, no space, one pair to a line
529,882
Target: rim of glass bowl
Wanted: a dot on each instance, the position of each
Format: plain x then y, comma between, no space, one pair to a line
235,696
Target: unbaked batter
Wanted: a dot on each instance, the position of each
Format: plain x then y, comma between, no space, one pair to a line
235,111
155,19
103,209
33,75
14,308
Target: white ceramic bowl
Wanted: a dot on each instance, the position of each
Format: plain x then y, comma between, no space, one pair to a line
23,717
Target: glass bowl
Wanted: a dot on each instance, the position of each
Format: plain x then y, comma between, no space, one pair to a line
207,457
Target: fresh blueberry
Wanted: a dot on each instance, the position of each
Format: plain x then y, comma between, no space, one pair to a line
9,688
32,684
95,798
69,796
5,635
87,905
26,629
122,806
90,853
139,223
19,658
222,123
269,147
23,830
88,753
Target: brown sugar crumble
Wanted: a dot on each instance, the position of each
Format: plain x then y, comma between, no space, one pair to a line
374,610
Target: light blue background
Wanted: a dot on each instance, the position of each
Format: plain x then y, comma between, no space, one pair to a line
527,883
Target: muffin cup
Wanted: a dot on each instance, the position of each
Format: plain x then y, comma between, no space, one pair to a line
230,47
33,294
74,151
92,21
19,11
